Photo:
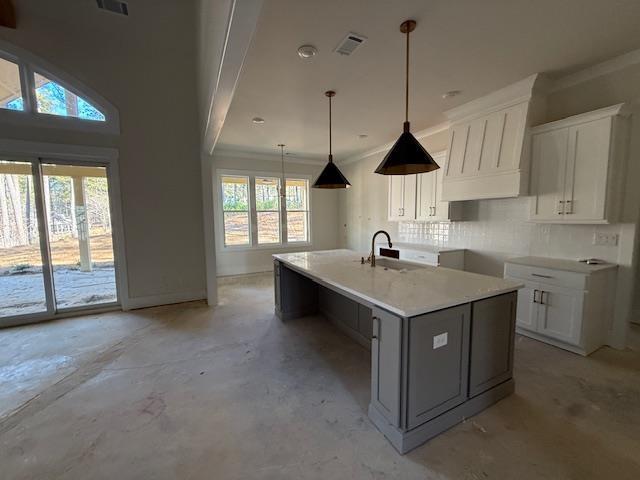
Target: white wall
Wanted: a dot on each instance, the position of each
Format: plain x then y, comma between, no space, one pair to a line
493,230
145,65
324,217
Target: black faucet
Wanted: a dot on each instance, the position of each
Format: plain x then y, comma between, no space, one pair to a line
372,257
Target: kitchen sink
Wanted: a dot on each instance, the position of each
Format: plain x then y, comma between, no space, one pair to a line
391,264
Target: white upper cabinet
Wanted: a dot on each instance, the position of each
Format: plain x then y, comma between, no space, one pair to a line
402,197
419,197
486,143
578,167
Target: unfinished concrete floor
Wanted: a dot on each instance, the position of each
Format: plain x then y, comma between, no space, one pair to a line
191,392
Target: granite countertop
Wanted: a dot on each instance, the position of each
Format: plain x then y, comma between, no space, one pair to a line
406,293
560,264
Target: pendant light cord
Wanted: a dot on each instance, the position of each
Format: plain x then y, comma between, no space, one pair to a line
282,186
406,96
330,151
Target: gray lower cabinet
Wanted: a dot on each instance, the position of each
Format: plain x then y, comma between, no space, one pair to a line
438,363
352,318
386,365
295,295
492,337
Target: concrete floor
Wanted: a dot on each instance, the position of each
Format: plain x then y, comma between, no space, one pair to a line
191,392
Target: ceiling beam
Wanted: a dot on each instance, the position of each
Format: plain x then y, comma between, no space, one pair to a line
241,25
7,14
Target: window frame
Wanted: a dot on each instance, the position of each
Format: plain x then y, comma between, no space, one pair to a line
248,212
307,211
28,65
253,227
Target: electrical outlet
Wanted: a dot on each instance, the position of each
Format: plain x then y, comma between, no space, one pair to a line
605,239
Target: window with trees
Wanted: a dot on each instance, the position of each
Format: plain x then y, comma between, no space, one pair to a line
253,214
26,90
235,210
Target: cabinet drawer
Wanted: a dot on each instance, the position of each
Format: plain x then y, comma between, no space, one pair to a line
560,278
417,256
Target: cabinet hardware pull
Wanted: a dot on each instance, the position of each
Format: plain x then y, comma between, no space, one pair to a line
569,207
376,328
542,302
560,207
540,275
535,298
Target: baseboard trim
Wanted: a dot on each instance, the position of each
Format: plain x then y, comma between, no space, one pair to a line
165,299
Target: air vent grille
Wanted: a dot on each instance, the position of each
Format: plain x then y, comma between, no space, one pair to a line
114,6
350,43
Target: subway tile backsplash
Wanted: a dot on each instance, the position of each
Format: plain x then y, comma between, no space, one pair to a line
494,230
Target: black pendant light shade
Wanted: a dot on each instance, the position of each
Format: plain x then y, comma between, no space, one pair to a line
407,156
331,176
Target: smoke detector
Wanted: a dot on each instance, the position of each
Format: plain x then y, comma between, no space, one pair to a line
114,6
350,43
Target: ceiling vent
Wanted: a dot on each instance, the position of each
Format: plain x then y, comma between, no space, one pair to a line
113,6
350,43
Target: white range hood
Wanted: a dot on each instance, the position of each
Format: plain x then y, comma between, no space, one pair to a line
488,142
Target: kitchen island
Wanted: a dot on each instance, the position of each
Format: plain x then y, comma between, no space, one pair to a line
441,340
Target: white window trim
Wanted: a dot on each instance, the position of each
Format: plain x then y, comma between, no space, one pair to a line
28,64
284,244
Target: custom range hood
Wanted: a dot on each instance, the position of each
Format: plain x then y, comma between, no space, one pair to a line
331,176
407,155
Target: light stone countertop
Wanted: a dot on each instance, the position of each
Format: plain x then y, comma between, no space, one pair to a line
406,293
560,264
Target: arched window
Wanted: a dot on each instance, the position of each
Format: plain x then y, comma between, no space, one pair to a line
31,92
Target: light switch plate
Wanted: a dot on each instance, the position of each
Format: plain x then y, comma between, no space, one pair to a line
440,340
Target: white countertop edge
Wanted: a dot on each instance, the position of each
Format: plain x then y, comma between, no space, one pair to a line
390,308
561,264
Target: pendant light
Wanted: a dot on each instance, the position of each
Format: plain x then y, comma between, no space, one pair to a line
331,176
407,155
283,192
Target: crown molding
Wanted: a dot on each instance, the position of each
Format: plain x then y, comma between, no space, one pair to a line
427,132
246,155
609,66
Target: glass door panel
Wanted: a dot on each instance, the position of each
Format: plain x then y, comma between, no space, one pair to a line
78,217
22,285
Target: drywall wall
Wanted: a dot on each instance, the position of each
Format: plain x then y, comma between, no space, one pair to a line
145,65
493,230
324,215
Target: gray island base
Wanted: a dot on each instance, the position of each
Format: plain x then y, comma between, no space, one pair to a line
429,371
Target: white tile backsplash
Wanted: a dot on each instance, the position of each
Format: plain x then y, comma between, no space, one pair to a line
494,230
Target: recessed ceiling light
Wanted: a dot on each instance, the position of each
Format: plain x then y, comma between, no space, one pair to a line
257,120
307,51
363,135
451,93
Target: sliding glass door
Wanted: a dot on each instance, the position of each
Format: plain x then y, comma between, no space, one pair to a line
22,282
56,241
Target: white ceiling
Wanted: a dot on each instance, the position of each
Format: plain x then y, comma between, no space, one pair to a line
469,45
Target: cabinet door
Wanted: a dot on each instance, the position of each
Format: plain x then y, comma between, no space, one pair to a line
276,286
549,155
441,209
527,310
409,197
425,204
365,322
438,363
492,332
587,165
396,197
385,365
560,313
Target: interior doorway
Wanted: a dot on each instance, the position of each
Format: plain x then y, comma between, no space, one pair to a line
56,239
